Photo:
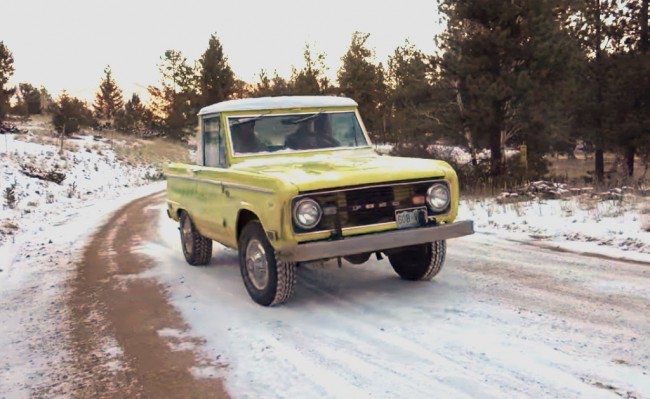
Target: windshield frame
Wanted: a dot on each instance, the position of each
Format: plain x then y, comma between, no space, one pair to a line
260,114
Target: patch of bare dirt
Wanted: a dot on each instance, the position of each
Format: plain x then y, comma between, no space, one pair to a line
116,319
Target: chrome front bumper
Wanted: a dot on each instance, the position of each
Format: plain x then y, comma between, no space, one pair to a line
374,242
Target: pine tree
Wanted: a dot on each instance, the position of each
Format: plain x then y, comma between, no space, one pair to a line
597,26
216,78
134,117
280,85
270,87
32,98
409,94
362,80
630,78
241,89
310,79
174,102
6,71
70,114
108,100
28,101
46,100
263,88
511,65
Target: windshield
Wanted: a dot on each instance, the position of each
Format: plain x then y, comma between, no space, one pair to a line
256,134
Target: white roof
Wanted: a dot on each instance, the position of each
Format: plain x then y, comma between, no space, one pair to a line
286,102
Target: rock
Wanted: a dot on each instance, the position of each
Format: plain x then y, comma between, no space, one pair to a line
550,195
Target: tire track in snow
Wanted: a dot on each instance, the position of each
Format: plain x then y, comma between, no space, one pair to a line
501,320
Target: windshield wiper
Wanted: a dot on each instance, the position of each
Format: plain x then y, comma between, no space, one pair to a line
249,119
306,118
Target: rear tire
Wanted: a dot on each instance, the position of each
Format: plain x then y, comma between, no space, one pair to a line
268,281
419,262
196,248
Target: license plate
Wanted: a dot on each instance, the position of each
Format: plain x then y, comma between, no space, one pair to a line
408,218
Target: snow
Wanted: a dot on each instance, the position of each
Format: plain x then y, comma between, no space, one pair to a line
204,372
283,102
361,332
502,320
613,228
91,172
38,258
112,353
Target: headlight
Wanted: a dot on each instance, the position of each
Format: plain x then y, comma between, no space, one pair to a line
438,197
307,213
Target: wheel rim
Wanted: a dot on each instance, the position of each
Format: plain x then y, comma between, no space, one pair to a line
256,264
186,233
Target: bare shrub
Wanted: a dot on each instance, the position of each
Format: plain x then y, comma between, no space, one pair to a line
53,175
8,227
10,195
72,190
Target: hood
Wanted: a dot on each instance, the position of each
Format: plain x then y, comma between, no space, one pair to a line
345,168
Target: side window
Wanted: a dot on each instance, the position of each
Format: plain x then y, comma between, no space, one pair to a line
213,143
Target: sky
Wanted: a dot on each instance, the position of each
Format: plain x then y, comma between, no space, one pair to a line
66,44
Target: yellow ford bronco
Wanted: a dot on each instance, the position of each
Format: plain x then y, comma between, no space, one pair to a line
290,180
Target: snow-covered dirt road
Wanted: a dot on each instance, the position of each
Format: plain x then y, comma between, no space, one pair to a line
503,319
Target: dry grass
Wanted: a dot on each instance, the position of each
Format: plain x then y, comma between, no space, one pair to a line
644,212
576,172
128,149
155,152
582,169
8,227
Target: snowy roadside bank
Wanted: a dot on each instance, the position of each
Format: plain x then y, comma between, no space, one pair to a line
92,171
42,235
616,229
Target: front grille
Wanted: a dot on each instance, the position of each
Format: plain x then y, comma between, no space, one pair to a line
365,206
369,206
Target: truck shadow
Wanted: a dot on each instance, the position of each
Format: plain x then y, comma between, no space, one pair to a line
364,285
350,283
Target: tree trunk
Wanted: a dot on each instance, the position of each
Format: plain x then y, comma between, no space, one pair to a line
62,139
644,27
630,151
470,145
599,164
495,149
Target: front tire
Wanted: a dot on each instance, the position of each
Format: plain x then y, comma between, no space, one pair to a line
419,262
268,281
196,248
